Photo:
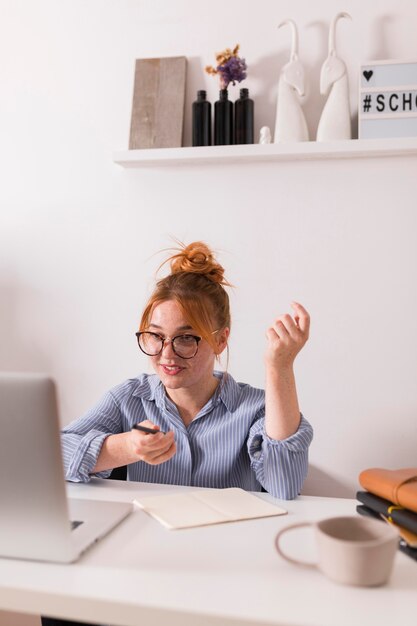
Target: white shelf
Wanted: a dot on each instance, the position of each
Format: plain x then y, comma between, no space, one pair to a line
302,151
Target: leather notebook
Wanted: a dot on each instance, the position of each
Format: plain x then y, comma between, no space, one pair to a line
398,486
403,517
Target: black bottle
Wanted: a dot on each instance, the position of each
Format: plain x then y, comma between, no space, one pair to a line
201,120
244,113
223,120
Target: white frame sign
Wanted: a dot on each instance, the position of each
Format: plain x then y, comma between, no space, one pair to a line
388,99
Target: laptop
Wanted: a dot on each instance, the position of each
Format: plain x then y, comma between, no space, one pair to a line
37,520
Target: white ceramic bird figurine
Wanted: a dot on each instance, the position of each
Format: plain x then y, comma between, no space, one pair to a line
335,121
290,124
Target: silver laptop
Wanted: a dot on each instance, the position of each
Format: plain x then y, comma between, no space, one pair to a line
37,521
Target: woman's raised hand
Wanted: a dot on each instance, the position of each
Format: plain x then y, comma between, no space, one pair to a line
286,337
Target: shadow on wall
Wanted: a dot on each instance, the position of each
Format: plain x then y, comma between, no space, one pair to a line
8,315
382,36
319,483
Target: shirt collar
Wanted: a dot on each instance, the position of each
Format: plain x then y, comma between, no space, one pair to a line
228,390
151,388
147,387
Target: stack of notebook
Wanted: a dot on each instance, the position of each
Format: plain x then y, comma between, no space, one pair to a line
392,495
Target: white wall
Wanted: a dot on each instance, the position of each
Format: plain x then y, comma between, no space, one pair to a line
78,232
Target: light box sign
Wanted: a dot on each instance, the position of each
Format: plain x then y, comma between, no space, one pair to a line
388,99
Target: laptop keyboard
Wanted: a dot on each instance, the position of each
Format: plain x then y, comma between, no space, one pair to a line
75,525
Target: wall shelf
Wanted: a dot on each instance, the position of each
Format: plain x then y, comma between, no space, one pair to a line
303,151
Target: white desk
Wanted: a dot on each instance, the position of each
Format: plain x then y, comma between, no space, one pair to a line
144,575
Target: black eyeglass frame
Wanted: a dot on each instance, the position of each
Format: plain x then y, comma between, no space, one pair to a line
171,341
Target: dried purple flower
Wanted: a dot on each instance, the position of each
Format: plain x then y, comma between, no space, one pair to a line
230,67
234,70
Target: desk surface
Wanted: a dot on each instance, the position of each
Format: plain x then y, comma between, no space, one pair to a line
228,574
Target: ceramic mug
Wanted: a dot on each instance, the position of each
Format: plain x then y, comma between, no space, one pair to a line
351,550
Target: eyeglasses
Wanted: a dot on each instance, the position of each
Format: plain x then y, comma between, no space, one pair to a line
152,344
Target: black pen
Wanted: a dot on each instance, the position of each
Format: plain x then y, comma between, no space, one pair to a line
145,429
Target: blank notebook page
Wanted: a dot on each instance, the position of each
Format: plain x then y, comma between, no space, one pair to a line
206,506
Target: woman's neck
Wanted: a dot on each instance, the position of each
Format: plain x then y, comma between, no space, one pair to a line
190,401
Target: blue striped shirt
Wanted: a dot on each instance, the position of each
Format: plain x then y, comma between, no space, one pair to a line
224,446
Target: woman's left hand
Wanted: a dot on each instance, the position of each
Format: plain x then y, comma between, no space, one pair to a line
286,337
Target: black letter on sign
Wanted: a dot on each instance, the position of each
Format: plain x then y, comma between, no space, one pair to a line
391,106
407,101
380,102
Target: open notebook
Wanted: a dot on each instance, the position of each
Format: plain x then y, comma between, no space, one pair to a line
206,506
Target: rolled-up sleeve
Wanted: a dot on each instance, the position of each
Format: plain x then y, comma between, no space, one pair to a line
82,440
280,465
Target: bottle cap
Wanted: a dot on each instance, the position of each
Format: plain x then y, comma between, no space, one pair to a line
244,92
201,95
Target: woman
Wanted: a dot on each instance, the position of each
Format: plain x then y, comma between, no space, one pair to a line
209,431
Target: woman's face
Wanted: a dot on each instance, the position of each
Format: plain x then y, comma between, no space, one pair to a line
168,321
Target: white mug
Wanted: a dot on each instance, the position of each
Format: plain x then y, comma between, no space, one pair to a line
351,550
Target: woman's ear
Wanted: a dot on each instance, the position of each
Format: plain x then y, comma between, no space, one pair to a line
222,338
